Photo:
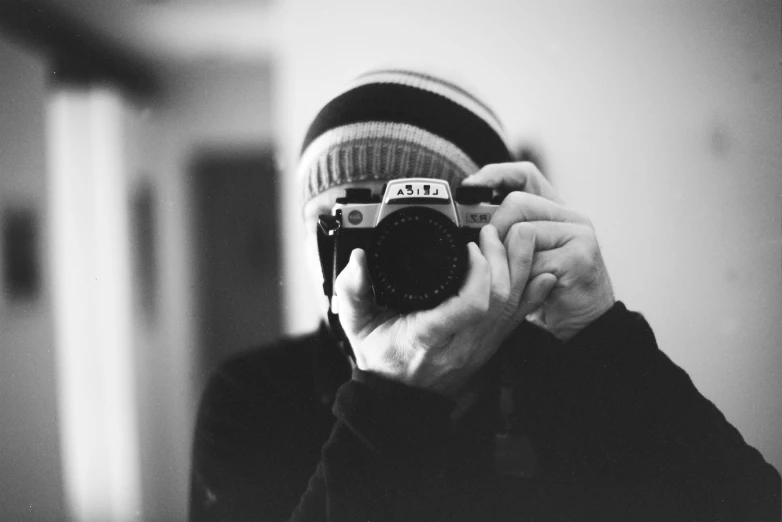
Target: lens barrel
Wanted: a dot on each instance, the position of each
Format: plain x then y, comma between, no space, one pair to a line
416,259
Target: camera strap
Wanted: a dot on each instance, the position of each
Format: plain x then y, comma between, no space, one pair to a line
335,328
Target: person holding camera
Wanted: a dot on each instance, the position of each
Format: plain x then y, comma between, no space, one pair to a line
524,390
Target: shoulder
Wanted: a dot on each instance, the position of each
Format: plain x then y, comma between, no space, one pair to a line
251,396
254,427
263,373
276,362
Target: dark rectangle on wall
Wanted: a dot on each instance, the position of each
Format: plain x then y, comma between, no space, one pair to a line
21,270
236,251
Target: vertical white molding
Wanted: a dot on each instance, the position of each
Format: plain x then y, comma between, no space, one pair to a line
92,305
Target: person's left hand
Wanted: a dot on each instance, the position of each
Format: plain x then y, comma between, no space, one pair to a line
565,246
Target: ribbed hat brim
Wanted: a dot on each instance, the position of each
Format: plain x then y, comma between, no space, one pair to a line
393,124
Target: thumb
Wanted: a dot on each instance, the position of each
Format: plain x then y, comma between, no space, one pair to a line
535,294
355,300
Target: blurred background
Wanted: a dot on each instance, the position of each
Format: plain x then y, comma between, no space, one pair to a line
151,226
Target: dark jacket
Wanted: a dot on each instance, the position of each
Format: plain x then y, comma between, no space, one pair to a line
604,427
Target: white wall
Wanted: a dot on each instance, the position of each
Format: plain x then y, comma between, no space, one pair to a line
30,487
659,120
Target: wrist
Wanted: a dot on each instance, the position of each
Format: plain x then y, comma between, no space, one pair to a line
618,321
435,374
565,318
567,330
391,416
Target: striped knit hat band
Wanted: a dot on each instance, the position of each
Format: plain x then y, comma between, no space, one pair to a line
397,124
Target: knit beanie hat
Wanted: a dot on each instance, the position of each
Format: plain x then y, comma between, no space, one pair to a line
399,124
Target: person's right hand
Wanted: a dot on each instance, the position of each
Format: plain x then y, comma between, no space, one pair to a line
441,348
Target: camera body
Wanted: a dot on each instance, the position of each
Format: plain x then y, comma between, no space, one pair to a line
415,235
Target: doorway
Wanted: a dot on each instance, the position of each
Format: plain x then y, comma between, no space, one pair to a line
237,253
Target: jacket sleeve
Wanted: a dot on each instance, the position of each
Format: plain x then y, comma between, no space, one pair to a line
385,457
612,412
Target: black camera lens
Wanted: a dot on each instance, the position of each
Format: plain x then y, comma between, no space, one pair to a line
416,259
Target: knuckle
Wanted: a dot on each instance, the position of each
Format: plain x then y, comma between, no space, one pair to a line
477,306
508,313
520,241
585,235
591,279
501,294
581,220
587,261
529,168
584,254
514,297
592,250
491,168
523,230
525,257
551,265
514,199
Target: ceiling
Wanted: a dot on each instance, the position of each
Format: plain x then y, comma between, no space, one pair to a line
180,30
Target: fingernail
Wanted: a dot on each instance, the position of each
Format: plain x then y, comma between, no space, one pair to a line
496,232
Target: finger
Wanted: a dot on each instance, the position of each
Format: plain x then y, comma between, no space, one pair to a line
561,247
520,245
549,235
355,301
520,206
437,325
507,177
497,257
535,294
556,262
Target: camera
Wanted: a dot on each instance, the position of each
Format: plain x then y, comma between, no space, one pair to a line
414,233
